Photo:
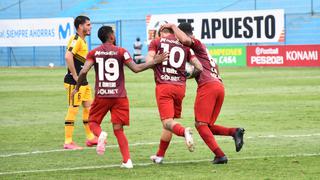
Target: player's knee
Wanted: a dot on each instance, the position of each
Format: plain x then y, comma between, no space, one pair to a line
198,123
168,123
117,126
72,112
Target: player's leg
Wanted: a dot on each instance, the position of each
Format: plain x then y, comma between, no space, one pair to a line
120,118
179,93
99,109
169,101
209,139
204,106
86,103
123,145
236,133
163,146
70,117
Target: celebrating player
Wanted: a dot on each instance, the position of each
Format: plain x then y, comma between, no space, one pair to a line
210,96
75,56
110,95
170,81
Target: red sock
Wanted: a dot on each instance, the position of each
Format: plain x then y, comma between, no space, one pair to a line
178,130
208,138
163,146
95,128
221,130
123,144
219,153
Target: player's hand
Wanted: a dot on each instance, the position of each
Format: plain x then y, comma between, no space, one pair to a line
159,58
75,77
167,25
74,92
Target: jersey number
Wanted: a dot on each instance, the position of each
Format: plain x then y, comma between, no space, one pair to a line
173,51
108,69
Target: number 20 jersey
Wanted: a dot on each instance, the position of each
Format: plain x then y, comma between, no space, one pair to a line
173,70
108,64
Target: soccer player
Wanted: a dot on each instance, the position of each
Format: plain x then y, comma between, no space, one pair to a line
75,56
110,93
170,81
210,96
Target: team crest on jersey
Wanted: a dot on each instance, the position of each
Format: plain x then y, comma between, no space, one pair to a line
126,55
73,43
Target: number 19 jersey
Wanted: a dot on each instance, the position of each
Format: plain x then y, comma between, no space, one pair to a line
108,64
173,70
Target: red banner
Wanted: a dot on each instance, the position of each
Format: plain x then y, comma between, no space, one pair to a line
286,55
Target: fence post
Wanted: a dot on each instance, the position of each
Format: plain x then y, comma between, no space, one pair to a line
90,42
62,62
119,32
9,56
20,14
312,11
34,56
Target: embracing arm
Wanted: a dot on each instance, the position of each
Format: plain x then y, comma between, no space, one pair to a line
197,65
183,37
151,60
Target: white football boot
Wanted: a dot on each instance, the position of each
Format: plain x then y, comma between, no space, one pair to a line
101,146
156,159
189,139
127,165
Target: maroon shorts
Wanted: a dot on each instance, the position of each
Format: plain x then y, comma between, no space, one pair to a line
169,100
119,108
208,102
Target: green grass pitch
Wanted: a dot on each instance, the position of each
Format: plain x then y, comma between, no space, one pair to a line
278,107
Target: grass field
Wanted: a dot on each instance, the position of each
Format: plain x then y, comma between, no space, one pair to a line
278,107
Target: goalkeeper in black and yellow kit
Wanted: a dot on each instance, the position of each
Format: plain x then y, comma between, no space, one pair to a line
75,56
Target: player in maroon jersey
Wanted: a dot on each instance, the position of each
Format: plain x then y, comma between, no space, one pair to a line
110,93
210,95
170,81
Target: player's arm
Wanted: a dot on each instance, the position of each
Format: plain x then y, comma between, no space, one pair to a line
83,74
70,64
196,63
150,62
73,48
182,37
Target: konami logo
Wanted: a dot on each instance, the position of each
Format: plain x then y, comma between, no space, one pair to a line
302,55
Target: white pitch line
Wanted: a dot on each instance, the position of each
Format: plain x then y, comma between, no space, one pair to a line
149,164
154,143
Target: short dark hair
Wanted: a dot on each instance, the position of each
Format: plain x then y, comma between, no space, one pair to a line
80,20
186,28
167,30
104,32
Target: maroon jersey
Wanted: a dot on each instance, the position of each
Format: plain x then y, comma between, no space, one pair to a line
209,72
173,70
108,64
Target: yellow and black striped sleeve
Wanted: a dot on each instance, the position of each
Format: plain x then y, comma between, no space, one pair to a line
74,44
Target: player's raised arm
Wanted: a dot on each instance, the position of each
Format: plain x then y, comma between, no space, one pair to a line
158,58
182,37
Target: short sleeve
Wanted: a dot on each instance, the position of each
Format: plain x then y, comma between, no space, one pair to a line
74,45
125,55
153,46
90,56
196,45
